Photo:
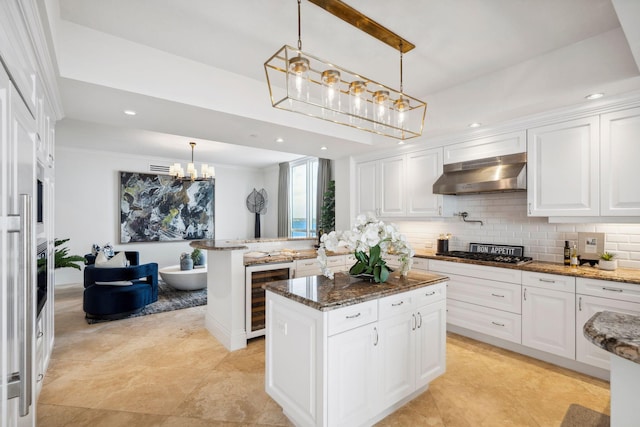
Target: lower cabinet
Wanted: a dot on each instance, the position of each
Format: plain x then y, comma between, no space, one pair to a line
548,313
352,366
593,296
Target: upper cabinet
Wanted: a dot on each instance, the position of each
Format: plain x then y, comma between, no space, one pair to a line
380,187
585,167
619,155
423,170
400,186
482,148
563,169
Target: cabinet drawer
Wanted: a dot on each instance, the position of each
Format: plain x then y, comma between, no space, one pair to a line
487,293
606,289
420,264
352,316
396,304
549,281
481,271
429,294
496,323
335,261
307,264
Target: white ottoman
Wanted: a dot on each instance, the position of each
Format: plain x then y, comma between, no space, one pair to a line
184,280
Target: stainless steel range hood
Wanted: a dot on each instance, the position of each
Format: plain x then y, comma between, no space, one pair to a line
491,175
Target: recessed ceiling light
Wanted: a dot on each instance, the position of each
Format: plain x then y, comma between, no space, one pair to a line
475,125
323,148
130,112
595,95
279,140
400,142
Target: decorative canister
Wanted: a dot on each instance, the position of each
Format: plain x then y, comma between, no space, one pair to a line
186,263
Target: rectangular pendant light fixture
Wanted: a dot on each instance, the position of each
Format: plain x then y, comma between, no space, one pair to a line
305,84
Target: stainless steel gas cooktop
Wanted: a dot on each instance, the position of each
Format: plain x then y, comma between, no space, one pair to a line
506,254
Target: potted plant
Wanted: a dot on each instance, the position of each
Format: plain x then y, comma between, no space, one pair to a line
607,262
198,257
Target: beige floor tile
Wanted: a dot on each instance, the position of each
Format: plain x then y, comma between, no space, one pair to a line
167,370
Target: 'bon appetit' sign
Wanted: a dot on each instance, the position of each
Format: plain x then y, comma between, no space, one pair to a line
486,248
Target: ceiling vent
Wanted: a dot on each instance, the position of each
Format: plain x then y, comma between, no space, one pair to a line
162,169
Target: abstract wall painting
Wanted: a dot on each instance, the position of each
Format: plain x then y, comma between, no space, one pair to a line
157,208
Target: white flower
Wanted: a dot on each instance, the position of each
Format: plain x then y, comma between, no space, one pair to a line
367,232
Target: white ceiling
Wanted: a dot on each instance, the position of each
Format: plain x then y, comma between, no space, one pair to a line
475,60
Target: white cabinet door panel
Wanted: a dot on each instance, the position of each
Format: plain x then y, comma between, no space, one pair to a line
351,387
563,165
620,152
430,344
423,170
397,358
548,321
367,187
392,199
587,306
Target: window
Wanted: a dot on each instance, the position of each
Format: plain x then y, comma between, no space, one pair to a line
304,178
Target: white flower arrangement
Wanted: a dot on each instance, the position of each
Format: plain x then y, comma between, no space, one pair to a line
370,240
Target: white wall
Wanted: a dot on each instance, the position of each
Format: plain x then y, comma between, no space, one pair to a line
87,209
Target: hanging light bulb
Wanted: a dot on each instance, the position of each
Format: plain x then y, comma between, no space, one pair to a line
357,101
330,92
298,71
401,106
381,113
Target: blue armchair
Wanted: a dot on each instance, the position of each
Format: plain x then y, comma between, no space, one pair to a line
104,301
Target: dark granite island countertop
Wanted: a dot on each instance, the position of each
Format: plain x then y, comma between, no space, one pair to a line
324,294
616,333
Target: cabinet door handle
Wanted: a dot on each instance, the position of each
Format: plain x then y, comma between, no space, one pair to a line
529,208
353,316
375,343
439,210
612,289
428,294
397,304
579,303
525,294
547,280
497,295
413,322
420,318
498,324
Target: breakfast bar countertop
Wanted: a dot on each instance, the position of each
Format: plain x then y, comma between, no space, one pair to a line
325,294
617,333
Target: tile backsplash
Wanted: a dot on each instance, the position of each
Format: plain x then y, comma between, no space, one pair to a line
505,221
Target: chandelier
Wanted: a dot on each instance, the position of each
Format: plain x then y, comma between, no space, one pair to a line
303,83
207,172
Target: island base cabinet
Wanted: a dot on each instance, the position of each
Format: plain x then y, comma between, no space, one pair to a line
292,359
351,387
353,366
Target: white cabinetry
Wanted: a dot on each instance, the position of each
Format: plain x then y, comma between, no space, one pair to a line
423,170
483,299
354,365
563,169
380,187
481,148
400,186
548,313
619,153
311,267
599,295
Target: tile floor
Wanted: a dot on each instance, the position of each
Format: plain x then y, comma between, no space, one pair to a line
167,370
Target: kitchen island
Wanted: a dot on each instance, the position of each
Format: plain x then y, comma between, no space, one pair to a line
348,352
619,334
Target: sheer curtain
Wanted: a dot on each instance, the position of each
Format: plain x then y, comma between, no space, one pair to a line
283,200
324,176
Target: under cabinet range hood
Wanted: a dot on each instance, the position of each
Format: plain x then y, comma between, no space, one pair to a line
490,175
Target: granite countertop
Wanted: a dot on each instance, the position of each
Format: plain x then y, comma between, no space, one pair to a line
284,255
238,244
623,275
617,333
325,294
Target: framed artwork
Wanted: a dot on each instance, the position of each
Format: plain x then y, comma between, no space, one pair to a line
156,208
